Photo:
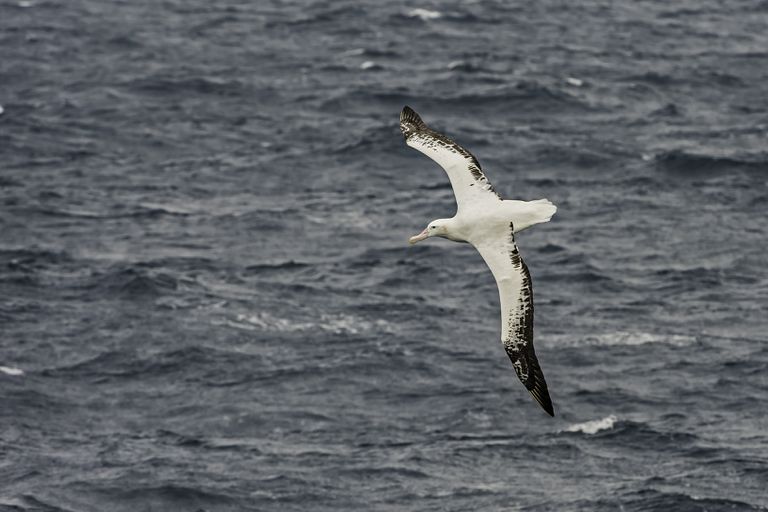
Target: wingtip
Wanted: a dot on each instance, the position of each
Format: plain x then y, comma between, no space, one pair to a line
544,401
529,372
410,122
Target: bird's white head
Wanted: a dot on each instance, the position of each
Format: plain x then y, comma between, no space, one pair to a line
437,227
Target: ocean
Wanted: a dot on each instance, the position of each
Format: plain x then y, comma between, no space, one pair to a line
208,301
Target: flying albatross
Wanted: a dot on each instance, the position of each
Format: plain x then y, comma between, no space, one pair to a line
489,223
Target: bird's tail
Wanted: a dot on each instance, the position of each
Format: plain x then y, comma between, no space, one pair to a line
542,210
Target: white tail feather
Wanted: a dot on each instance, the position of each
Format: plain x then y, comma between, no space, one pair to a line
546,209
525,214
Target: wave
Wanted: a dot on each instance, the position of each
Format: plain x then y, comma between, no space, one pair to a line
709,78
578,157
195,84
523,96
119,212
199,361
594,426
134,283
371,53
125,41
464,66
653,77
214,23
265,268
33,257
591,277
685,163
636,435
344,19
171,497
370,65
551,248
424,16
668,110
378,137
181,263
331,323
12,371
28,502
254,445
688,279
527,95
623,338
651,499
147,208
22,402
385,472
8,182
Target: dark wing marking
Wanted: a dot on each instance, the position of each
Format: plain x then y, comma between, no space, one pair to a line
516,297
467,178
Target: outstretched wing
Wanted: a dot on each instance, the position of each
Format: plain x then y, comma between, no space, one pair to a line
467,179
516,297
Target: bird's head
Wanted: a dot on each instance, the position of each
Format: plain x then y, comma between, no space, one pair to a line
437,227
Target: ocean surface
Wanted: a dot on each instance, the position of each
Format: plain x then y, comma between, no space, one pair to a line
208,302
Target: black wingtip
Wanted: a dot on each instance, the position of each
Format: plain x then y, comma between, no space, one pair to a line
528,370
543,400
410,122
408,112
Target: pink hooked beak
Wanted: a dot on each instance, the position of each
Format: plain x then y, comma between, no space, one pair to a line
418,238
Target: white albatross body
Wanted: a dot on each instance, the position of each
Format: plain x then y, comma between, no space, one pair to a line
489,223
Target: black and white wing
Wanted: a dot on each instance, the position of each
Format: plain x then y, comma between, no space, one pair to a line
516,297
467,179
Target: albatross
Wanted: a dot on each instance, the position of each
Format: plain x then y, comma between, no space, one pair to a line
489,224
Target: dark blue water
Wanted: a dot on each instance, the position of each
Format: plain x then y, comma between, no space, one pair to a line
207,301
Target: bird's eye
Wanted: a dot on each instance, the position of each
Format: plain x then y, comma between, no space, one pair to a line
431,227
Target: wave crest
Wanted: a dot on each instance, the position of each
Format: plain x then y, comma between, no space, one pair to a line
594,426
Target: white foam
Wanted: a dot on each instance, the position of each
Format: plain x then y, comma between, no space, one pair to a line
180,210
9,370
337,324
353,51
424,14
369,64
13,502
627,338
1,110
576,82
594,426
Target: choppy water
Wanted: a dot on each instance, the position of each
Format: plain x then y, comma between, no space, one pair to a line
208,302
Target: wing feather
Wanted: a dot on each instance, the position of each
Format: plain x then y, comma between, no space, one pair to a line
469,183
516,296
